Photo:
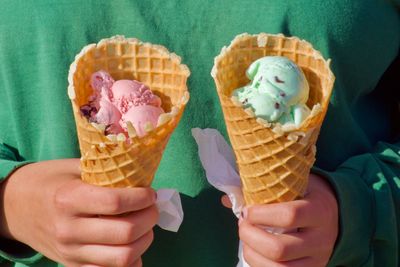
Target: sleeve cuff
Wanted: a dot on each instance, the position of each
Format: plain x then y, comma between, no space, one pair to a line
18,252
356,207
7,167
12,250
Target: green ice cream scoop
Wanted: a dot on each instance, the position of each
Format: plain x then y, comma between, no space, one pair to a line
278,90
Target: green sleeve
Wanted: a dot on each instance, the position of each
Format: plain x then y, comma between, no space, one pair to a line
12,250
368,192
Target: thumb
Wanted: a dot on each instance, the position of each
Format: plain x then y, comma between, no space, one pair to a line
226,202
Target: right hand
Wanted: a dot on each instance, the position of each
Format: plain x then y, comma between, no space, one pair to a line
47,206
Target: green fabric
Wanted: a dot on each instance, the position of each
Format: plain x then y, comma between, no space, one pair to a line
11,250
356,152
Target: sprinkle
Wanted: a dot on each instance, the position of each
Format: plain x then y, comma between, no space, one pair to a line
282,94
278,80
244,102
277,105
108,129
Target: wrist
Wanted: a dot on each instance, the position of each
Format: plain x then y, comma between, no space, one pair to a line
9,196
4,230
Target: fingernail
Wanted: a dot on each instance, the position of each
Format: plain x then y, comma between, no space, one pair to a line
155,196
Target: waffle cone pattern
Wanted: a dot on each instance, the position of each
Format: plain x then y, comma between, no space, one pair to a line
120,163
272,166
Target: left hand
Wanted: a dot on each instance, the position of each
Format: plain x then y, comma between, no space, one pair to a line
315,217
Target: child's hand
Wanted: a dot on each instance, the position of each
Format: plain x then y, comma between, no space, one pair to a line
313,218
48,207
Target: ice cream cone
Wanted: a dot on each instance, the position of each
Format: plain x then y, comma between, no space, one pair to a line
274,163
131,163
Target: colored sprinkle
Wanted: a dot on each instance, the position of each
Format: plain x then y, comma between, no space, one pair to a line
277,105
278,80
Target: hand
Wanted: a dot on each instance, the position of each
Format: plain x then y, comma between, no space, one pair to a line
316,218
46,206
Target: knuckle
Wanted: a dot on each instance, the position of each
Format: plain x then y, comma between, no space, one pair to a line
250,212
62,233
61,200
127,233
112,202
278,250
148,196
290,216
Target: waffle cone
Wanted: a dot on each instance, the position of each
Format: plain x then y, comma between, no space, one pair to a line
130,163
273,164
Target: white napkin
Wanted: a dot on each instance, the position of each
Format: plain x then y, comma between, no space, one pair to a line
218,161
170,209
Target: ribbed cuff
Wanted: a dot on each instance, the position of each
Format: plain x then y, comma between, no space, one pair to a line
15,251
356,216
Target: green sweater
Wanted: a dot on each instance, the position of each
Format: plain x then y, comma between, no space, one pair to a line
357,149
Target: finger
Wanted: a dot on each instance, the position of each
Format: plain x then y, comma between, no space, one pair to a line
138,263
254,259
115,230
293,214
115,256
80,198
67,166
226,202
281,247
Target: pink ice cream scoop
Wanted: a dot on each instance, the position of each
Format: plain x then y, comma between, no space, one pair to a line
114,103
108,114
100,80
130,93
141,116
